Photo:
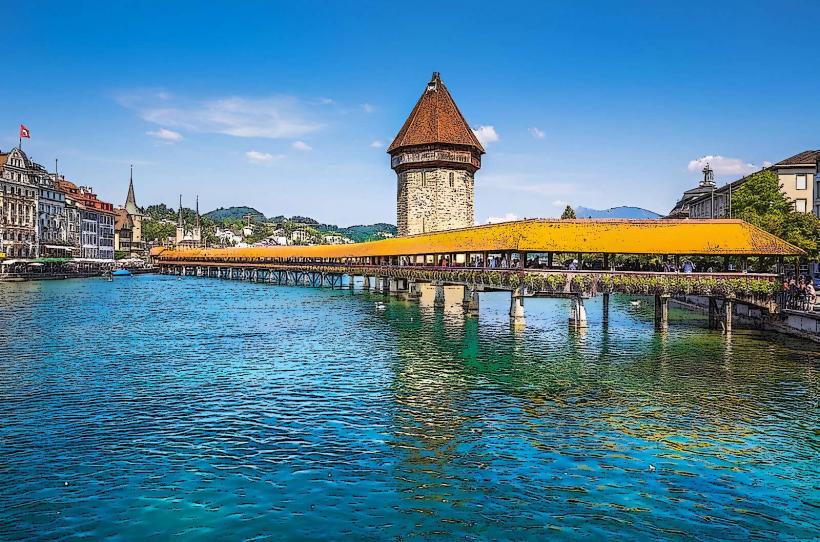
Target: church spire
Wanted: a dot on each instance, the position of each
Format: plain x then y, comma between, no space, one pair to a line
197,211
180,223
131,200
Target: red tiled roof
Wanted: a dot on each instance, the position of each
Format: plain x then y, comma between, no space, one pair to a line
435,119
805,157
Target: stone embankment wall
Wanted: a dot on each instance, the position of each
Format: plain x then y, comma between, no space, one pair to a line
796,323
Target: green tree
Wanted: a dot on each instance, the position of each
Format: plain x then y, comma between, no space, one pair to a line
569,212
760,201
153,230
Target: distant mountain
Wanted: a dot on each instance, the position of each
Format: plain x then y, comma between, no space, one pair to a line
615,212
232,213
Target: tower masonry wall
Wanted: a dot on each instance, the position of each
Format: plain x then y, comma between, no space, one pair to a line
434,199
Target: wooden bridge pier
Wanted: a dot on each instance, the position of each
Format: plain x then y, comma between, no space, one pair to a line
578,313
517,304
721,317
661,312
470,302
438,300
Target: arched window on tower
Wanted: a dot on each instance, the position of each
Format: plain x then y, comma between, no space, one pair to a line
424,179
452,179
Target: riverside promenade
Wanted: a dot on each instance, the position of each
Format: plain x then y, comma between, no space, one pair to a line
525,258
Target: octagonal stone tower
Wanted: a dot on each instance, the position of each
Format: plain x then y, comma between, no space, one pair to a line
435,157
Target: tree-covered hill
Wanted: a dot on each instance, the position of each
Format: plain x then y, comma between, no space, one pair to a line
234,213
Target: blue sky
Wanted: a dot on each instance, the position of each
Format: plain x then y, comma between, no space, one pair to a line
288,107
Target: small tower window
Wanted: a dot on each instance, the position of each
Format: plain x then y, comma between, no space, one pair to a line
424,179
452,179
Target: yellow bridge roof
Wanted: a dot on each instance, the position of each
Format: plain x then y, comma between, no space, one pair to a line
682,237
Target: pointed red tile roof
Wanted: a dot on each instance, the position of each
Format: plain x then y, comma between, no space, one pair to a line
435,119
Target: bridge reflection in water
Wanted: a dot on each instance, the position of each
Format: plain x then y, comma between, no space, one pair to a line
524,258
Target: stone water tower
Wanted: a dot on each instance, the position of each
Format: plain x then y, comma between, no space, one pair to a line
435,157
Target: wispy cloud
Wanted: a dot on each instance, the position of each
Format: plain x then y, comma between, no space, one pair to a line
165,135
508,217
486,134
301,146
536,133
723,165
377,144
368,108
257,157
276,117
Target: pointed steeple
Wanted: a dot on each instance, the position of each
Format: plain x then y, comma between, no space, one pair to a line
197,211
131,201
180,223
435,119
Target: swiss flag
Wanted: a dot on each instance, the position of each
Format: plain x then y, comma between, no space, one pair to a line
24,132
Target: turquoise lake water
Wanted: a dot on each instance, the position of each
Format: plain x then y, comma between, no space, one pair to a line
152,408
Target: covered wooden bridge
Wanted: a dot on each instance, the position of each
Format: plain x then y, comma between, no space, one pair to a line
567,258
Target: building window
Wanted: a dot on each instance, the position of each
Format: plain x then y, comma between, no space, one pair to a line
452,179
424,179
800,182
800,205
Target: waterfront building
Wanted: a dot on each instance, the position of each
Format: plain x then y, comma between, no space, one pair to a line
705,187
333,239
435,156
52,224
188,237
128,225
18,205
799,181
300,237
89,222
227,237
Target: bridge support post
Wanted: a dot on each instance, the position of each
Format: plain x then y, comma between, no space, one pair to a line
398,287
662,311
439,299
351,279
713,313
413,292
517,304
728,310
385,286
578,313
606,308
365,282
470,302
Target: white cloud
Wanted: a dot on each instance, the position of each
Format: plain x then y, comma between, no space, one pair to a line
301,146
257,157
368,108
506,218
165,135
722,165
536,133
326,101
377,144
561,203
486,134
276,117
766,163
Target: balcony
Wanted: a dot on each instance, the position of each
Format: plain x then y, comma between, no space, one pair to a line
437,155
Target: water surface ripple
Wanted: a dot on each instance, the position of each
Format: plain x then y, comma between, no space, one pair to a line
152,408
